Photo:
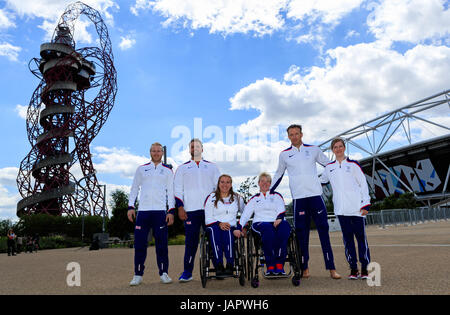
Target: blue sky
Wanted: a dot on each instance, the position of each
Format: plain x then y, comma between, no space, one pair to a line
328,65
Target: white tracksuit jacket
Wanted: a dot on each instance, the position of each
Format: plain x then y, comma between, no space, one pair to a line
226,211
349,185
156,188
193,183
302,170
267,208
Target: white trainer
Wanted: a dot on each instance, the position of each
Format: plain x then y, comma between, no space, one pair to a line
137,280
165,278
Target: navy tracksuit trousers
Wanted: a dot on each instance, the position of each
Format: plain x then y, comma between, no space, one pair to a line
155,220
274,241
354,226
195,221
222,242
314,208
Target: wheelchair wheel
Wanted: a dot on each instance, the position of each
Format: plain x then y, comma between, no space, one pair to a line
251,252
242,261
204,260
295,258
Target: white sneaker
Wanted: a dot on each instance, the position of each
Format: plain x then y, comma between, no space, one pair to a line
165,278
137,280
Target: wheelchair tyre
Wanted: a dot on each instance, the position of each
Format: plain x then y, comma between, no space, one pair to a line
296,281
255,283
250,257
203,260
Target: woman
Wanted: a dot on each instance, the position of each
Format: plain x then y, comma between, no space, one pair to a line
269,210
351,204
221,208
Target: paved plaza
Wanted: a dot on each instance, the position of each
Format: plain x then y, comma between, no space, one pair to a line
413,260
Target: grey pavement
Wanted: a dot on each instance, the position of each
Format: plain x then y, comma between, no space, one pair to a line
412,259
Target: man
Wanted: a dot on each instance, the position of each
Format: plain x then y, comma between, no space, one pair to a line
300,161
351,204
155,182
194,181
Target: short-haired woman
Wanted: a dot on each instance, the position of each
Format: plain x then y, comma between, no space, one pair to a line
351,204
221,209
268,221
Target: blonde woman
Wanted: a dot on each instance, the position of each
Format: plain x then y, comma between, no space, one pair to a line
351,204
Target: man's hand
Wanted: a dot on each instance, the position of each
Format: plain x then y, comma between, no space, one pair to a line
224,226
364,212
244,232
276,223
131,215
182,214
169,219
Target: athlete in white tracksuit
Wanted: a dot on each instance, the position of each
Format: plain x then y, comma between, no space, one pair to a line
193,182
300,162
153,182
269,210
351,202
221,210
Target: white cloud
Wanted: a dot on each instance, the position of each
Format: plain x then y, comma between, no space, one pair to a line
327,11
357,84
9,195
51,10
126,42
9,51
6,19
117,160
21,111
249,16
409,20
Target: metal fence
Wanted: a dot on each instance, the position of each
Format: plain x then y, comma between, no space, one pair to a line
408,216
396,217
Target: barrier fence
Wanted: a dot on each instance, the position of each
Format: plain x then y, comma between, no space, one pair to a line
395,217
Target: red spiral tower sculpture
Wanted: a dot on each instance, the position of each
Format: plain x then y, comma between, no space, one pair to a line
72,101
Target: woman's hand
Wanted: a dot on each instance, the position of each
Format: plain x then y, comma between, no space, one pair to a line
237,233
224,226
277,222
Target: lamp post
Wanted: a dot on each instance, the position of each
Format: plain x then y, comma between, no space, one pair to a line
104,207
83,209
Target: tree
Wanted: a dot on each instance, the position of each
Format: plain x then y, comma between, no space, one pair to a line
246,186
119,225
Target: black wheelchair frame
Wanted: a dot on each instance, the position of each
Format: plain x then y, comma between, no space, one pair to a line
256,259
207,270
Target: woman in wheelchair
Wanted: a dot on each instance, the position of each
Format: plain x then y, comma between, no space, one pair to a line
269,224
221,208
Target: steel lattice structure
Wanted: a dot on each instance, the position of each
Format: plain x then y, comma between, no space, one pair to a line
372,137
73,100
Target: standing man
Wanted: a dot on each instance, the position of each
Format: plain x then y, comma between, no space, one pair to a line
300,161
155,182
351,202
194,181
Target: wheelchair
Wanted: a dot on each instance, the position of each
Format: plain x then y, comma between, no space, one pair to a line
207,270
256,259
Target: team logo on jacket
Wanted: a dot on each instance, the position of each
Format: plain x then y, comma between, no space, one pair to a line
188,222
138,227
301,213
